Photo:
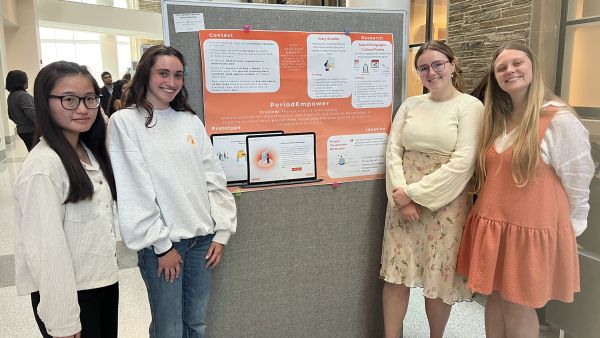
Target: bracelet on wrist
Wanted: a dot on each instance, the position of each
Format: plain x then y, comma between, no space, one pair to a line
166,252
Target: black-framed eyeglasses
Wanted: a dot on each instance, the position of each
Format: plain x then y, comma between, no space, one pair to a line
71,102
437,67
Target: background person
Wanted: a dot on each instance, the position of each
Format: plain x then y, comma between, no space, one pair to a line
106,90
126,77
479,90
21,108
533,174
430,158
65,246
116,98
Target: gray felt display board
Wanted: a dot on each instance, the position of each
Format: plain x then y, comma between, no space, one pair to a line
305,260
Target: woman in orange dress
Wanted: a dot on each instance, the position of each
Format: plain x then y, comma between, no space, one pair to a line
532,174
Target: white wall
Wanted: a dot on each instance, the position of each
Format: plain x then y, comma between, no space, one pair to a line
100,19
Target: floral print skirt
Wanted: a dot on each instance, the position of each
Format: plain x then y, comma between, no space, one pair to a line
423,253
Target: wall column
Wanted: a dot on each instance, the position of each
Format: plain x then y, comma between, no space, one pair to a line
110,59
22,52
544,37
6,126
23,42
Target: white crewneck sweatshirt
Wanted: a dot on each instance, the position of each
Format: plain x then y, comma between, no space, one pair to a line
170,186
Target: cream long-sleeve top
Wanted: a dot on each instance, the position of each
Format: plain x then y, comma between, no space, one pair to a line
62,248
169,181
566,147
448,128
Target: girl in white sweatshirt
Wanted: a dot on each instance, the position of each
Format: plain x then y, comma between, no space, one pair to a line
174,206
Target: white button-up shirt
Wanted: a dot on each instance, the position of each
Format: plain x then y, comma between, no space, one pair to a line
62,248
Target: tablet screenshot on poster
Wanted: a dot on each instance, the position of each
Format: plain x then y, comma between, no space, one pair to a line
286,158
231,152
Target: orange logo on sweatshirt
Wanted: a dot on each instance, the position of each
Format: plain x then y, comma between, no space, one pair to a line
191,140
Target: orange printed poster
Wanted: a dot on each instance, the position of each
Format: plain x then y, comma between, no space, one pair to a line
338,86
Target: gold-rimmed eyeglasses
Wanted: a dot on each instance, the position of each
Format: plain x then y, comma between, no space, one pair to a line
437,67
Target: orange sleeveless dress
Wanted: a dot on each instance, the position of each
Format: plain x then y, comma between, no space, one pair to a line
519,240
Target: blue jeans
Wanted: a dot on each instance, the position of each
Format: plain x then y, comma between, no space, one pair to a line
179,309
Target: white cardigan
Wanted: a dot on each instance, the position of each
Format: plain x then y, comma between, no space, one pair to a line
61,248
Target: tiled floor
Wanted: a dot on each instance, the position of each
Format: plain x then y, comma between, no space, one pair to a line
16,318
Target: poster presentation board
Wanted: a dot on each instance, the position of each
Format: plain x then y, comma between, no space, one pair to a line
334,84
304,262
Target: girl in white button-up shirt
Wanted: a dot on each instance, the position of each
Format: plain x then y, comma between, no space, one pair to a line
65,254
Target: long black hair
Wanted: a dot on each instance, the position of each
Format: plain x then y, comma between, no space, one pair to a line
80,185
117,94
136,93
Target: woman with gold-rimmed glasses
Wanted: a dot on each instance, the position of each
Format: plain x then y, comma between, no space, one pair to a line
429,161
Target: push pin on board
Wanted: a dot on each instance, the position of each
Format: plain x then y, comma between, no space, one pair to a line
347,32
335,185
238,193
247,27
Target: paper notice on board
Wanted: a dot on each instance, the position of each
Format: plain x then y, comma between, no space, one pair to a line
188,22
356,155
329,66
373,76
241,66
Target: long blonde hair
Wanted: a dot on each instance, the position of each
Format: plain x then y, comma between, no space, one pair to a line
498,107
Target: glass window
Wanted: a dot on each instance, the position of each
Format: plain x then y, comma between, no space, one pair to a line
62,34
80,47
581,56
65,51
414,86
141,5
86,36
440,20
90,56
418,27
417,22
46,33
580,9
48,52
121,3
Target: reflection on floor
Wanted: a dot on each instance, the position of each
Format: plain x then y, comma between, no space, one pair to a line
16,318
